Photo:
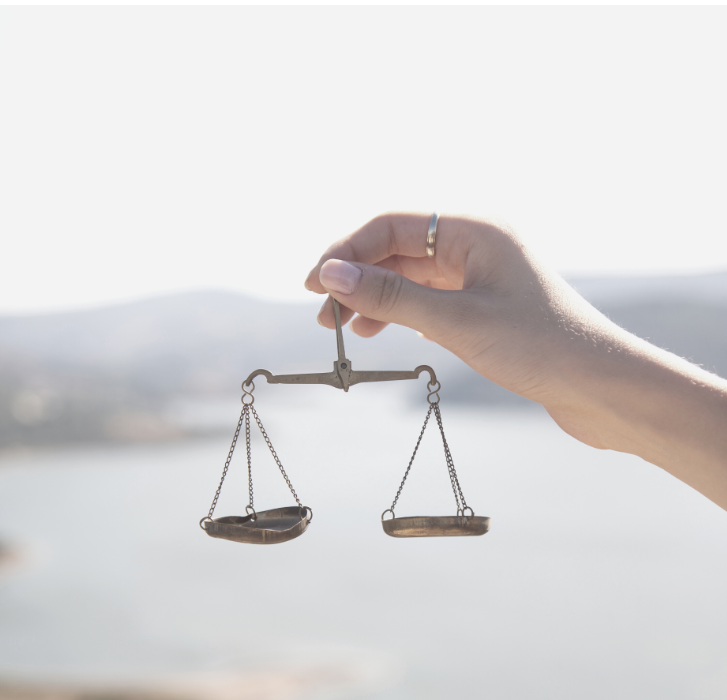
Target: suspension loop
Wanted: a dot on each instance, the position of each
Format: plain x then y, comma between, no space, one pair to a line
433,387
247,393
253,515
388,510
471,515
204,520
411,461
227,464
309,512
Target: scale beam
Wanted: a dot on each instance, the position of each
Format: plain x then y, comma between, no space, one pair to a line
342,376
333,379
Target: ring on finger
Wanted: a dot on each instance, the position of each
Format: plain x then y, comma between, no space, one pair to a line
432,234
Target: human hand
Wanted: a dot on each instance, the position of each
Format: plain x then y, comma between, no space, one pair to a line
484,296
490,301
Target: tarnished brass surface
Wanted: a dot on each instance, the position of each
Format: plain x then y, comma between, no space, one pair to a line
439,526
270,526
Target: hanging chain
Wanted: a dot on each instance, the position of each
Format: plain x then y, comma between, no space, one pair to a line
450,464
249,457
433,399
411,461
227,462
275,456
247,407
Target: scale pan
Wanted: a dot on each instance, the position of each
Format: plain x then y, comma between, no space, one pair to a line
269,527
440,526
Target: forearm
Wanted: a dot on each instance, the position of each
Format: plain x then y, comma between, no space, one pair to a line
639,399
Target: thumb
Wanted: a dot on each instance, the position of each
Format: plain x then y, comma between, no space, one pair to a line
386,296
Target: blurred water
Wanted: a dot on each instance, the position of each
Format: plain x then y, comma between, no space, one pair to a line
601,576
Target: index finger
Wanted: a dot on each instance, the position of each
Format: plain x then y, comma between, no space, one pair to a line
382,237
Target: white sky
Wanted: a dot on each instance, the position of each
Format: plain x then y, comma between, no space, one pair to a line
145,150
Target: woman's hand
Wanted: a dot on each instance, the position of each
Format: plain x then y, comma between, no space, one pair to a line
486,298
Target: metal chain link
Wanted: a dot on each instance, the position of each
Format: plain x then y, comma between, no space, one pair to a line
227,462
411,461
450,464
456,488
275,456
249,455
245,416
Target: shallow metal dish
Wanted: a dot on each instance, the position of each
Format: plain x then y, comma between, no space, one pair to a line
437,526
269,527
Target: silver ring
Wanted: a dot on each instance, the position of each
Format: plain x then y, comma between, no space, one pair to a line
432,234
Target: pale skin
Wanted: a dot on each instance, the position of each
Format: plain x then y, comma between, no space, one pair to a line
490,301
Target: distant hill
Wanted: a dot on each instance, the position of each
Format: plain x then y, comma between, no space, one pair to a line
615,291
110,373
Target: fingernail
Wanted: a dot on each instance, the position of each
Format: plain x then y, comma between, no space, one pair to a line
340,276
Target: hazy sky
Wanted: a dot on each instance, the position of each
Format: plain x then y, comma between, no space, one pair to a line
152,149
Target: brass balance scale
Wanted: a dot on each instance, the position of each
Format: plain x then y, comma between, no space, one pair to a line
287,523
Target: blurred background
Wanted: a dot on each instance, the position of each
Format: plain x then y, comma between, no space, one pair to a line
168,176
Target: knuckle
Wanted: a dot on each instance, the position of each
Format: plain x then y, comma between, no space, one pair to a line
389,292
385,225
